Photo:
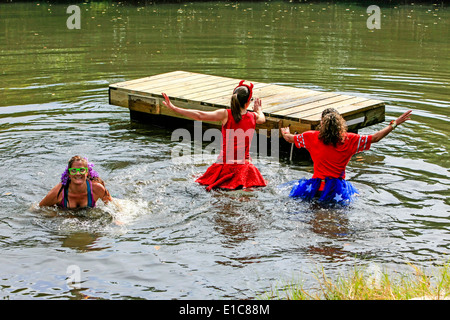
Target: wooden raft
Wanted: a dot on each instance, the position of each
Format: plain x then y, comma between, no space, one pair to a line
282,105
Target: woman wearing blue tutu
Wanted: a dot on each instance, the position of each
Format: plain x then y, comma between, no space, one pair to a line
331,148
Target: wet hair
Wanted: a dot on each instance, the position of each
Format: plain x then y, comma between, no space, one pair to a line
238,100
77,158
333,128
92,174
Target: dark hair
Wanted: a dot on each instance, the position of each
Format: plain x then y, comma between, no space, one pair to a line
333,128
238,101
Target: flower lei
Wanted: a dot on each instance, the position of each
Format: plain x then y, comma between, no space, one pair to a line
91,173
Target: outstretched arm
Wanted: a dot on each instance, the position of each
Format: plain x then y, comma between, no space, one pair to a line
384,132
218,115
287,135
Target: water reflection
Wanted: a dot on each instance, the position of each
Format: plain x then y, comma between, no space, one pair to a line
329,227
233,222
330,223
82,242
237,221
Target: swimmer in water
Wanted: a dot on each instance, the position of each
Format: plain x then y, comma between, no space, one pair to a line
80,187
331,148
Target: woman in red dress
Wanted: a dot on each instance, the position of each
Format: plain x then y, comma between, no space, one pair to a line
233,168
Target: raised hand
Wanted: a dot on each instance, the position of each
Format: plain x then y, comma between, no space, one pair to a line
167,102
403,117
286,132
257,106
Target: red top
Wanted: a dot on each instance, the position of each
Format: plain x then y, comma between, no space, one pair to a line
242,134
330,161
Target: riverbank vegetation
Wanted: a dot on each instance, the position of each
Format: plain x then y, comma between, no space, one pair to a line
371,284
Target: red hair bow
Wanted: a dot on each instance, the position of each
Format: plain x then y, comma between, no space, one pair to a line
250,89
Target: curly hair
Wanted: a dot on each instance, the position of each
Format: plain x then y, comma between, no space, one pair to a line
332,128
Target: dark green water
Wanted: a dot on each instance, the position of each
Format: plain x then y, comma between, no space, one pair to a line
179,241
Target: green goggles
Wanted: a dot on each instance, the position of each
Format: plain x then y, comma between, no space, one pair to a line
74,171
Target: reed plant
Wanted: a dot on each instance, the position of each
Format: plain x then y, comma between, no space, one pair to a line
362,284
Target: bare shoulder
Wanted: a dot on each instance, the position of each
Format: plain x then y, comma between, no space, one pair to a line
100,192
55,190
58,186
52,197
98,188
222,113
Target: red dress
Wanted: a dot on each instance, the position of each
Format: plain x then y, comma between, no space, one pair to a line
233,168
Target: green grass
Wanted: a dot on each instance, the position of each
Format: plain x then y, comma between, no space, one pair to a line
363,284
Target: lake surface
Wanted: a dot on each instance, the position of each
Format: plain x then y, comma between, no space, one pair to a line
178,241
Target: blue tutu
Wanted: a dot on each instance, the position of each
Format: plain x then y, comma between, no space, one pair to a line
336,191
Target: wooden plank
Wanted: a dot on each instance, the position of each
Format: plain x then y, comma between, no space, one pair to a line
365,117
282,105
131,83
337,105
210,91
292,94
223,90
220,95
144,104
299,101
356,107
373,116
118,97
270,92
357,103
122,91
211,84
288,95
275,124
178,89
215,84
318,103
196,85
223,98
177,81
305,98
